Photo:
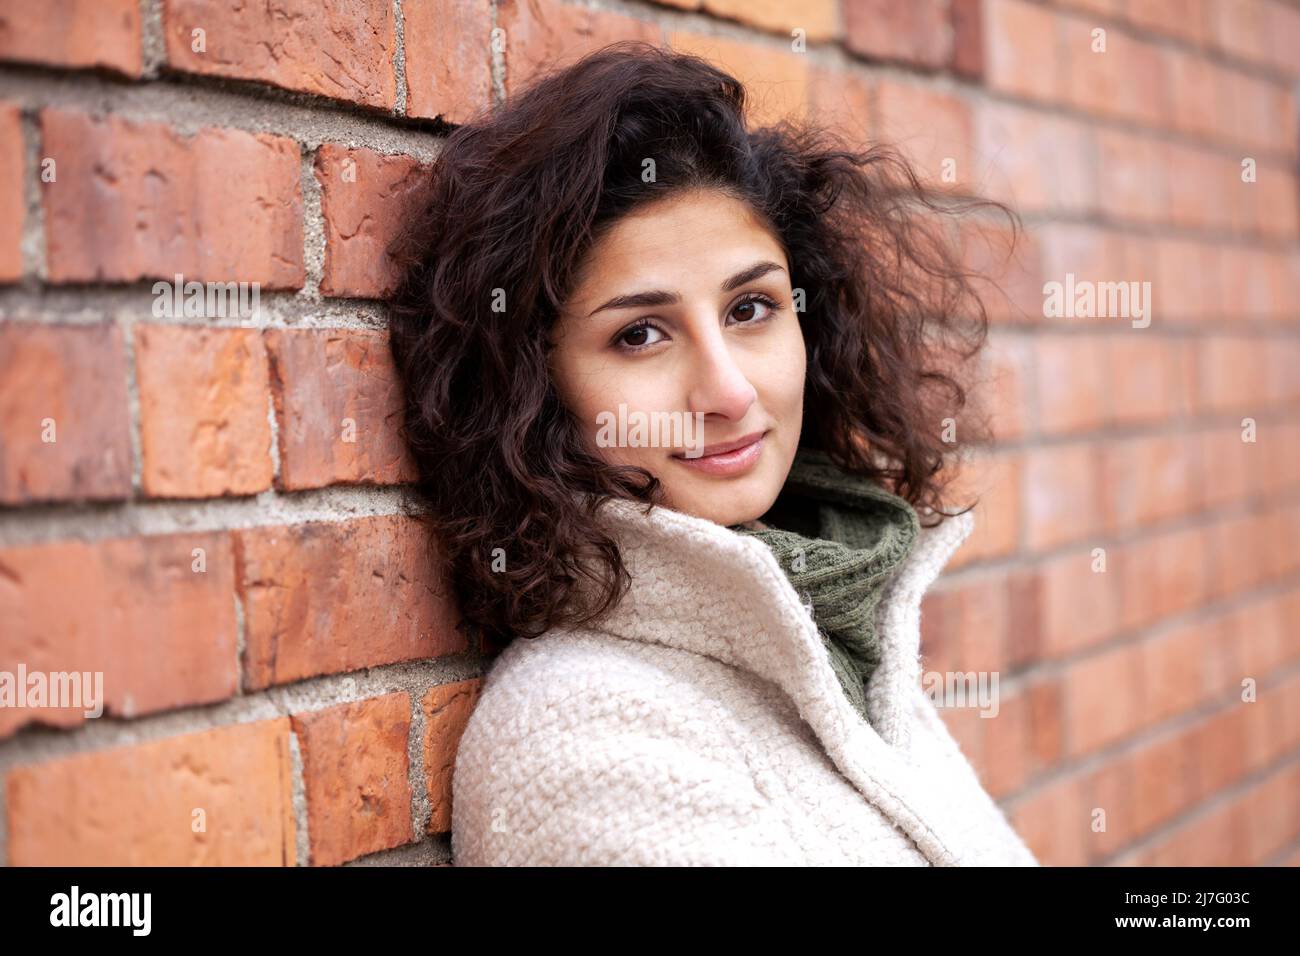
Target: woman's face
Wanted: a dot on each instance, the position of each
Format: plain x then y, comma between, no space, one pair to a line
682,314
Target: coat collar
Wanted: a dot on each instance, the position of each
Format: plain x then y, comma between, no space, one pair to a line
700,587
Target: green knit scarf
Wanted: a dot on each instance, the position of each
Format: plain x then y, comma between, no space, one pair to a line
839,538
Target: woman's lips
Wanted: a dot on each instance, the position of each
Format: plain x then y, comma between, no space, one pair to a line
728,463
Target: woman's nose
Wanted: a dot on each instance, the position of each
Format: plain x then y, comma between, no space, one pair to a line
717,383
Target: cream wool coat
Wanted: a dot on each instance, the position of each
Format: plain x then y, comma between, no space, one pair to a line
702,724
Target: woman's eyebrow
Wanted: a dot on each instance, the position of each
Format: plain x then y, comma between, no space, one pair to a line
660,297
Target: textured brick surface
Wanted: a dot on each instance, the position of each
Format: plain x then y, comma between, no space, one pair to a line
365,199
448,58
775,79
327,597
919,32
73,33
338,49
63,413
12,202
204,405
542,34
447,709
339,405
221,797
133,200
1133,553
155,616
355,769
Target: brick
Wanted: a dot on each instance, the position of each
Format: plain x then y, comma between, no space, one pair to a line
136,200
1008,271
221,797
1055,821
1200,186
918,32
1024,52
1260,642
1089,253
448,46
71,379
1066,606
994,480
1027,597
1277,203
817,18
1006,745
1283,30
842,101
1108,788
1186,280
776,80
1072,383
1257,113
980,617
1272,820
1282,527
155,617
1194,85
74,33
1103,699
932,127
356,773
1145,380
544,34
366,200
13,204
1238,29
1185,19
1146,68
1129,79
204,403
1230,379
1063,501
1132,185
1094,78
1235,466
968,38
1034,161
1218,838
1107,8
1161,575
447,709
1046,741
1220,745
1234,571
1249,288
1161,780
338,406
340,50
329,597
1173,672
1278,471
1008,374
1149,479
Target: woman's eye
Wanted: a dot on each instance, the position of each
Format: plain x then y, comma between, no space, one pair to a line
746,311
638,336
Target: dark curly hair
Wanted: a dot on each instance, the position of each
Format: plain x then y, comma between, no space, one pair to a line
515,199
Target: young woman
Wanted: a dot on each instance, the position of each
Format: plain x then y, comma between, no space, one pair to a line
660,370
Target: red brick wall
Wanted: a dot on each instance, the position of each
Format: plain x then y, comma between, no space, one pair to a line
219,522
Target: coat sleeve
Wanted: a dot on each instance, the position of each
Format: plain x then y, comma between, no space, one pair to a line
1010,845
619,780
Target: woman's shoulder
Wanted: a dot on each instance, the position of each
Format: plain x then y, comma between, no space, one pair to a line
568,680
584,748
